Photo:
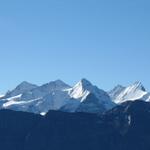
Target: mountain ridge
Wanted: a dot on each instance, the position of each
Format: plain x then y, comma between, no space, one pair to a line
55,95
82,97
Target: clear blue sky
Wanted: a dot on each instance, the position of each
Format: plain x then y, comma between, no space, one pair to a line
105,41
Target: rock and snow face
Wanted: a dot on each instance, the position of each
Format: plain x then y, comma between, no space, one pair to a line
39,99
57,95
133,92
83,90
20,89
91,105
2,95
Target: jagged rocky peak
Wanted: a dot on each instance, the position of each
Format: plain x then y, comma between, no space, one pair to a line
25,85
132,92
84,88
138,85
56,85
58,82
84,82
117,89
81,89
21,88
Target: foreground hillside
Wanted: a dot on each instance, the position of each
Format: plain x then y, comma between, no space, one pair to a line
125,127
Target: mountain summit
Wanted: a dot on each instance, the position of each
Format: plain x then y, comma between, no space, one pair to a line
91,98
20,89
133,92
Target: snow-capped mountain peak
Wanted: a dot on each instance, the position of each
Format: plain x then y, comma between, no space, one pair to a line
57,85
84,88
84,83
45,89
20,89
133,92
138,85
26,85
81,89
116,91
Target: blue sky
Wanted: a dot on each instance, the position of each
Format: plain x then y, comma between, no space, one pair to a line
105,41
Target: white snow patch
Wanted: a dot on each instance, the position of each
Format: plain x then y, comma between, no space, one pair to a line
43,113
129,120
2,95
14,97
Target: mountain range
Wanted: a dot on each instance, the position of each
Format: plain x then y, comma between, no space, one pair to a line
58,116
57,95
